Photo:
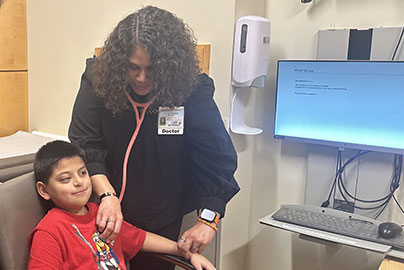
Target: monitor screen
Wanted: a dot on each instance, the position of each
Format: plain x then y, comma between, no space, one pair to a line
349,104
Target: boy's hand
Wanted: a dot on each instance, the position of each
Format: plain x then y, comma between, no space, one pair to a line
109,218
200,262
195,239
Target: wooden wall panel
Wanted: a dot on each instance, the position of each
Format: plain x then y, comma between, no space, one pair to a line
13,35
13,102
203,51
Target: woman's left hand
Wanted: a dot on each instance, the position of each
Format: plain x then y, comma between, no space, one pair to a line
195,239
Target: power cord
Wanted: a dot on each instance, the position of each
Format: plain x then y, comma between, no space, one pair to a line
339,170
338,182
326,203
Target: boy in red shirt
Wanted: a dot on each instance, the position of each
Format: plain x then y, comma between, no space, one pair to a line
67,237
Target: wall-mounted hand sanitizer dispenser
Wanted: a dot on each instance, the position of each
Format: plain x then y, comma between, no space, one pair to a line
250,65
251,51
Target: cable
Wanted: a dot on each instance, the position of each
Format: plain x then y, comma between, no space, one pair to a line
398,162
339,170
357,178
381,211
326,203
383,202
398,44
398,204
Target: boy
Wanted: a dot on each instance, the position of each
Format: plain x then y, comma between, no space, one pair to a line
67,238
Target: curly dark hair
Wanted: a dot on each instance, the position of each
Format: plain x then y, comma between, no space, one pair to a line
174,62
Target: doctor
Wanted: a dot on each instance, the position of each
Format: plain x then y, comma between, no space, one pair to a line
155,144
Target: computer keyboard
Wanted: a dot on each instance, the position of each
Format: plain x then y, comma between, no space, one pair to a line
335,221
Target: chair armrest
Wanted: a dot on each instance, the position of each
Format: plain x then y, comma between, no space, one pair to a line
177,260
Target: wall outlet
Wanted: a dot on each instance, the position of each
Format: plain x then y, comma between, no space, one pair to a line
343,206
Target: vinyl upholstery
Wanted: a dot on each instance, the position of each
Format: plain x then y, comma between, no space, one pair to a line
20,210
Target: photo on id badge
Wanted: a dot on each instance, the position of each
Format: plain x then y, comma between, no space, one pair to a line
171,121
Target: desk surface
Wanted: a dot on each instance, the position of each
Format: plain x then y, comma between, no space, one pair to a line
395,258
331,237
391,264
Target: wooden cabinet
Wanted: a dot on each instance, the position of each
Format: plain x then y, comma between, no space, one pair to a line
13,67
13,35
13,102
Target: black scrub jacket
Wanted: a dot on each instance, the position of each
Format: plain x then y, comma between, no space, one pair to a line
167,175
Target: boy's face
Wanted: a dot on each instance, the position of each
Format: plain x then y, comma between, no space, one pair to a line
69,186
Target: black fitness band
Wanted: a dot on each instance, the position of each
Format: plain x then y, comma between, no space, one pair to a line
106,194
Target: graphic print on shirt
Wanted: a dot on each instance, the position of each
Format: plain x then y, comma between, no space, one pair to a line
104,257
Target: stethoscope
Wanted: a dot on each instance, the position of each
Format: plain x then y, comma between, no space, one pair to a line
139,120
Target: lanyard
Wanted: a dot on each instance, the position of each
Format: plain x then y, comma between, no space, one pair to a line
139,121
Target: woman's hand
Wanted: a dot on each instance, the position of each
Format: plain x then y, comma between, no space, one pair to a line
200,262
109,218
195,239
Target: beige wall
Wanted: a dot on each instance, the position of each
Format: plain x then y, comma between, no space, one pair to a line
279,167
61,34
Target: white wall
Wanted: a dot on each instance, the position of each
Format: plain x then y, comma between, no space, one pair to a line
279,171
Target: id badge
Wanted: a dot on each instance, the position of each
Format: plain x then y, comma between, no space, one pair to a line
171,121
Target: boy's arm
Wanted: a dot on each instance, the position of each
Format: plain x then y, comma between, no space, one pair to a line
158,244
45,252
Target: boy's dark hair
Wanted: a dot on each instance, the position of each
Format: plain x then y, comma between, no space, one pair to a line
50,154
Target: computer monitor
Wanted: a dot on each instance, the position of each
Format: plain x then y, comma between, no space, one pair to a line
348,104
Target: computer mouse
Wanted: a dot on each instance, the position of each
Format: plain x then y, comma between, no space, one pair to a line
389,229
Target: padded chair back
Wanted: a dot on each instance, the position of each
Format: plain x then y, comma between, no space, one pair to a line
8,173
15,166
20,210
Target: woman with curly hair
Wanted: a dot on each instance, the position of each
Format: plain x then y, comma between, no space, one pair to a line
156,146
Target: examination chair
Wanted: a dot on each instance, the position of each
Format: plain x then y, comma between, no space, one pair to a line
16,166
20,210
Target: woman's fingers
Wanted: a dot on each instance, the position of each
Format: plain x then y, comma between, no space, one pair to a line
194,247
195,239
115,231
109,218
183,247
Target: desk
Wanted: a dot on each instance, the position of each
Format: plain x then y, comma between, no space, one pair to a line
394,259
391,264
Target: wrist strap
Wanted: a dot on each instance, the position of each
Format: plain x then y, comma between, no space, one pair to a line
106,194
212,225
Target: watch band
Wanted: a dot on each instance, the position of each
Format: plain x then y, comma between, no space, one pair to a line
216,221
210,224
106,194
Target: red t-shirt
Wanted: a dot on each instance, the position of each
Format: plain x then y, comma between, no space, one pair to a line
63,240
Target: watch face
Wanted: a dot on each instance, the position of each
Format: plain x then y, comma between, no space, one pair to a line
208,215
